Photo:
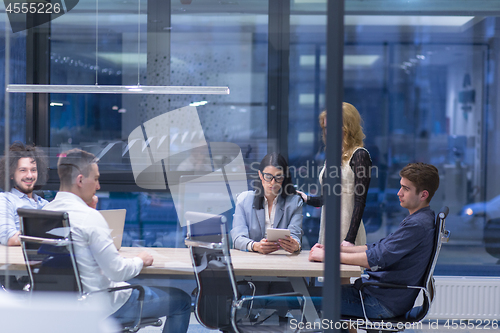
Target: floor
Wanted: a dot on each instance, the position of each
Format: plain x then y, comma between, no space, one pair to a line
448,326
194,327
426,326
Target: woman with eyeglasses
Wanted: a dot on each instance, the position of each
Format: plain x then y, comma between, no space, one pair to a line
273,204
355,180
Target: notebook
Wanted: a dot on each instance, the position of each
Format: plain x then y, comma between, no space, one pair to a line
116,223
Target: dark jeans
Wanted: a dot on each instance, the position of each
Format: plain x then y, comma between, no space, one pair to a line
158,302
351,304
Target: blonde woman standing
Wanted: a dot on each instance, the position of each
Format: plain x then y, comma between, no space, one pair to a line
355,180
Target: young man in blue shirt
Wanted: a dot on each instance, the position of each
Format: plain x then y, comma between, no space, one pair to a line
26,169
401,257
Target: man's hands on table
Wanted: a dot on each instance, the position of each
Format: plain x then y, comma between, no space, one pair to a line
349,255
317,253
146,258
346,243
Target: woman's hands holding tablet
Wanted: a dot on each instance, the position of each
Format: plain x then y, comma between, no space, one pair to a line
265,247
289,244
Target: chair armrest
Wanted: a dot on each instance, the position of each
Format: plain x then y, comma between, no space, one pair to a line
110,290
250,298
132,286
39,240
361,286
206,245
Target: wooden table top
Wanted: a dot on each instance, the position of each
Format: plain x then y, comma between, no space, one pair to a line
177,261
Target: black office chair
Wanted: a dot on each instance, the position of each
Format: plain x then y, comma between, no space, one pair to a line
427,290
492,238
51,263
219,304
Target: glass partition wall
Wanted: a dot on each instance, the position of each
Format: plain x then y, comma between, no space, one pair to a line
157,43
152,43
423,75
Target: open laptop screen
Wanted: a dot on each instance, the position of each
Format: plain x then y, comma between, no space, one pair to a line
116,222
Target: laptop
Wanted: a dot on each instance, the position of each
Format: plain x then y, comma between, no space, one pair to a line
116,222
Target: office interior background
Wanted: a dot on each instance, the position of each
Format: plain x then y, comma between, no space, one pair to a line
424,76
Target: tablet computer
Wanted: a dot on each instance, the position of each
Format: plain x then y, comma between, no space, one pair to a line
274,234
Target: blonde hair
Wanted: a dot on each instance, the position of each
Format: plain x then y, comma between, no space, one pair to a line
352,131
353,135
322,123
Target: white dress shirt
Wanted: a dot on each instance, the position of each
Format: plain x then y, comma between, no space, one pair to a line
99,263
270,214
269,219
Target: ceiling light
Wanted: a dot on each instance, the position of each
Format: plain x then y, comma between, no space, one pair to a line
109,89
360,60
407,20
198,103
385,20
309,1
125,58
349,60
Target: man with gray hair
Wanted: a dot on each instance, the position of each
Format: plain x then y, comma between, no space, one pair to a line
99,263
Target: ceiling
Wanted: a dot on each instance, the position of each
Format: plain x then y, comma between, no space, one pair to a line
122,15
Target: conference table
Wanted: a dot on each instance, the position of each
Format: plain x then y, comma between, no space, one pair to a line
176,263
249,265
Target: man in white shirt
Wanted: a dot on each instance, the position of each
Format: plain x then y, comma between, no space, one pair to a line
99,263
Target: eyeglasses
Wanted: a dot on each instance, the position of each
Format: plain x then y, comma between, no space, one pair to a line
269,177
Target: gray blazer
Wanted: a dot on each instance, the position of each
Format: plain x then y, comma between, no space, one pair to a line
249,223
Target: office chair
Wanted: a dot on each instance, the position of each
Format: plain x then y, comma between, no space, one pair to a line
219,304
50,260
491,238
427,290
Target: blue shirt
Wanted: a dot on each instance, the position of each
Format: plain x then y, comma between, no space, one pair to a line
402,258
9,203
